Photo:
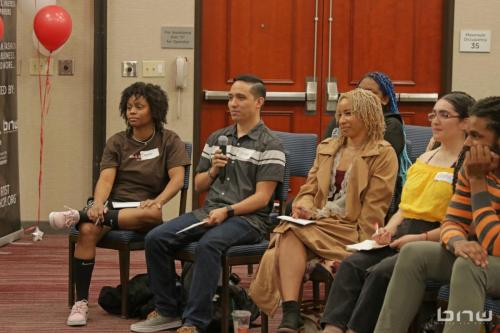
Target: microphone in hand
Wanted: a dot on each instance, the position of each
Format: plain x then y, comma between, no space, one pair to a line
223,140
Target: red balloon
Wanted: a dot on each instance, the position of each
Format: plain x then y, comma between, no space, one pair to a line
52,26
1,28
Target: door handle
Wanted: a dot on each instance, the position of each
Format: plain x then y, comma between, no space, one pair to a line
417,97
401,97
280,96
332,95
311,94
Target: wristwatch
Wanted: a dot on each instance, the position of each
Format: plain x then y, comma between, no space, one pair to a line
230,211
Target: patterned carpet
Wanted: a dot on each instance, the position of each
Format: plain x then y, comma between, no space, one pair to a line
33,287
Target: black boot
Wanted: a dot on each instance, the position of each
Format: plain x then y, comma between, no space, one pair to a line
291,322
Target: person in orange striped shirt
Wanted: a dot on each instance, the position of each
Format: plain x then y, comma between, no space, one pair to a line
469,257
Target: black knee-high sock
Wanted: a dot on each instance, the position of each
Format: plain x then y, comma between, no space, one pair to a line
110,218
83,216
82,273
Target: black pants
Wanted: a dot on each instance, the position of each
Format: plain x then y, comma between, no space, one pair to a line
358,290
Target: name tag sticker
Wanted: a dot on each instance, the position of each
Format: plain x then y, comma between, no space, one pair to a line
444,177
149,154
243,154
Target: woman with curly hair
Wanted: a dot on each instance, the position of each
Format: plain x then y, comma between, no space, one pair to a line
145,164
348,189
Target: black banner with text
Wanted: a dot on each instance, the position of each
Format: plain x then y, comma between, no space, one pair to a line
9,160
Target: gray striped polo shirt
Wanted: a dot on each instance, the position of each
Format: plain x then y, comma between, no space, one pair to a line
256,156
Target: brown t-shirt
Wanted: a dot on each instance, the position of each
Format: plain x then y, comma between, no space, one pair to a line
142,169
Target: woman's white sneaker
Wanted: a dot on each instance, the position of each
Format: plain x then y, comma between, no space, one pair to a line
79,314
65,219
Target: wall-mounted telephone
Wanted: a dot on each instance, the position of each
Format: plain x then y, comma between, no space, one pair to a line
181,72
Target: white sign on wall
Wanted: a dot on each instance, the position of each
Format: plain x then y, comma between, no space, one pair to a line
475,41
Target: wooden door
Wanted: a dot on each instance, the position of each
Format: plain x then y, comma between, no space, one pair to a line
400,38
272,39
290,42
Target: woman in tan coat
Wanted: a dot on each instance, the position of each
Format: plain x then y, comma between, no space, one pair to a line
347,193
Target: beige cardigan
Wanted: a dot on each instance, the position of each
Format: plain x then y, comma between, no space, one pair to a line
368,196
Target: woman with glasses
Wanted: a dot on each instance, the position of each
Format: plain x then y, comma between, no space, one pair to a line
358,290
468,256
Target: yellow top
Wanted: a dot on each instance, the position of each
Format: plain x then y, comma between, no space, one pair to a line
427,192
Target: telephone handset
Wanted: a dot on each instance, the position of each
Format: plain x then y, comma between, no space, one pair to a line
181,72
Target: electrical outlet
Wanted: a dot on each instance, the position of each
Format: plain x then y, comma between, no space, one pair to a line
65,67
129,68
153,68
40,66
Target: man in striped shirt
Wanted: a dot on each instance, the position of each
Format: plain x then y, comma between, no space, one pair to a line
240,180
469,257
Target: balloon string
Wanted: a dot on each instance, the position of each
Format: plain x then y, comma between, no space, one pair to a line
39,78
44,109
40,168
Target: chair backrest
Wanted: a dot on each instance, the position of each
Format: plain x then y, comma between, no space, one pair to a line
300,150
185,186
417,138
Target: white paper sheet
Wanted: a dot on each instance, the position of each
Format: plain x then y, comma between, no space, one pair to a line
128,204
365,245
191,226
294,220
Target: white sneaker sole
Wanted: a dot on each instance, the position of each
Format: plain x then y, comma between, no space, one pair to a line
76,323
149,329
52,223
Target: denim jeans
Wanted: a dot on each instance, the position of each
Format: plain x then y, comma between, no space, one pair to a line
161,244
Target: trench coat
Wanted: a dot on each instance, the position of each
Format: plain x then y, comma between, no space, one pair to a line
368,196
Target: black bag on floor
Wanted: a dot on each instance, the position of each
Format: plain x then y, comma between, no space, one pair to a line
140,297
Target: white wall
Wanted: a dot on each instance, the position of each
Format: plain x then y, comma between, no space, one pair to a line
67,169
134,29
477,73
133,34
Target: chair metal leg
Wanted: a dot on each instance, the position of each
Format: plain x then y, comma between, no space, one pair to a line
328,285
316,293
71,283
250,270
225,296
264,323
124,276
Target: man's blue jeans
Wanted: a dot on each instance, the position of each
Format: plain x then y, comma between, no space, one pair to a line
161,244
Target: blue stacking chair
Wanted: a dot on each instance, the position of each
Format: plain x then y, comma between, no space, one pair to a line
296,147
417,138
123,241
301,150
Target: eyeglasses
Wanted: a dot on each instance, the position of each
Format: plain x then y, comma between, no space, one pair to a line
442,115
